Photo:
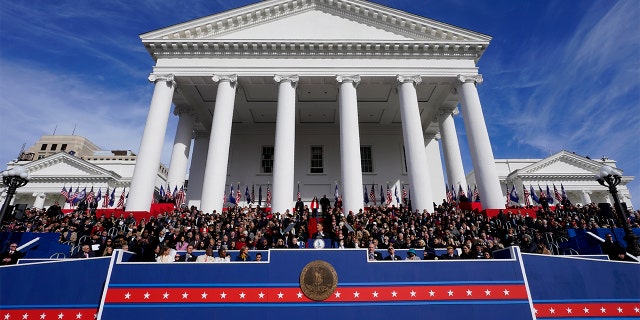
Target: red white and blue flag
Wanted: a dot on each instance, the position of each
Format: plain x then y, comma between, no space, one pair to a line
105,201
65,194
180,197
372,195
268,197
121,200
527,194
91,196
556,193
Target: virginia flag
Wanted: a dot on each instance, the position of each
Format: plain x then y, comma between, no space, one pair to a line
231,198
549,197
260,195
112,199
533,194
366,195
564,194
81,195
247,196
99,195
514,194
395,193
336,192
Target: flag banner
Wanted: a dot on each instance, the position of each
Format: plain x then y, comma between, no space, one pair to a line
336,192
534,197
564,194
253,193
73,195
526,194
162,194
247,195
395,193
99,196
238,195
268,197
299,196
366,195
180,197
112,199
121,200
260,195
389,198
65,194
175,192
476,193
449,195
556,193
231,198
91,196
507,195
168,193
80,196
404,195
548,195
382,201
372,195
469,194
453,194
514,195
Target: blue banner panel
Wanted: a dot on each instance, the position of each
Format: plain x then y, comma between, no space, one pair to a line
371,290
568,287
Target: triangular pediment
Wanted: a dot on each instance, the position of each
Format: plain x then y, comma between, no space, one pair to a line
63,164
563,162
316,20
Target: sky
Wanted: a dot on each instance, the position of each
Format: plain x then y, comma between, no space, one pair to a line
558,75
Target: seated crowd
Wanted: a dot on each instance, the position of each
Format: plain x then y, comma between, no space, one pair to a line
174,236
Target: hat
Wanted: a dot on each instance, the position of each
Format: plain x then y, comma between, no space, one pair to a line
412,251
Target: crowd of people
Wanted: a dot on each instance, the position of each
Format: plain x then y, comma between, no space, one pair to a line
174,236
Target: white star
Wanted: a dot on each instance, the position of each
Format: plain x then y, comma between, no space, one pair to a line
506,292
356,294
7,316
394,293
147,295
569,310
280,295
535,310
619,310
25,316
299,295
636,309
469,293
413,293
79,315
43,315
165,295
126,296
552,310
338,294
95,316
586,310
450,293
487,292
62,315
261,295
242,294
204,295
185,295
223,295
375,294
432,293
603,310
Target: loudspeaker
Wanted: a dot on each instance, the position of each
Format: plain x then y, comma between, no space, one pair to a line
605,210
19,209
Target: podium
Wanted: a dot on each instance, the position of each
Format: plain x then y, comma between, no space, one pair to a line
319,243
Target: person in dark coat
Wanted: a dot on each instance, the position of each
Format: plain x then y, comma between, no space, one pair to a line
11,256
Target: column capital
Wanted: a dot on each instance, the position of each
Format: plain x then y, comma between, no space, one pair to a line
293,78
355,79
473,78
180,110
232,78
415,79
437,136
169,78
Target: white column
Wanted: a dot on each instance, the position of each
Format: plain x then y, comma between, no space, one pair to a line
284,149
215,172
421,197
434,163
484,164
350,165
451,150
196,171
40,197
181,147
148,160
586,198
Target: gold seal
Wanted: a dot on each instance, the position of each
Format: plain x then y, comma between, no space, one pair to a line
318,280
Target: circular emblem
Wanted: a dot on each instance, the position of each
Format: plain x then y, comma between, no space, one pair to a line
318,280
318,244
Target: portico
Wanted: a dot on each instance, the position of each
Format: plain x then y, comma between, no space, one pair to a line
354,95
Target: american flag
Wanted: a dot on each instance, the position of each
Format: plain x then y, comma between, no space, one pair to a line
299,196
476,193
372,195
65,194
72,196
121,200
238,195
91,196
105,200
268,197
449,195
404,195
169,195
389,198
526,192
556,193
175,192
453,194
180,197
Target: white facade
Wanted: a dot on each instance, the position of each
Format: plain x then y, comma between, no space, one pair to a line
564,169
315,76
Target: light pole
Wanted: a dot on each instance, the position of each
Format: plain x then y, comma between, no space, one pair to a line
610,178
13,178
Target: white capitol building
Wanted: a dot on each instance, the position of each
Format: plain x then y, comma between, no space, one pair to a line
365,95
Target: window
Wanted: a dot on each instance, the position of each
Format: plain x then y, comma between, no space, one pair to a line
63,147
54,147
43,147
41,156
366,162
266,162
317,165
